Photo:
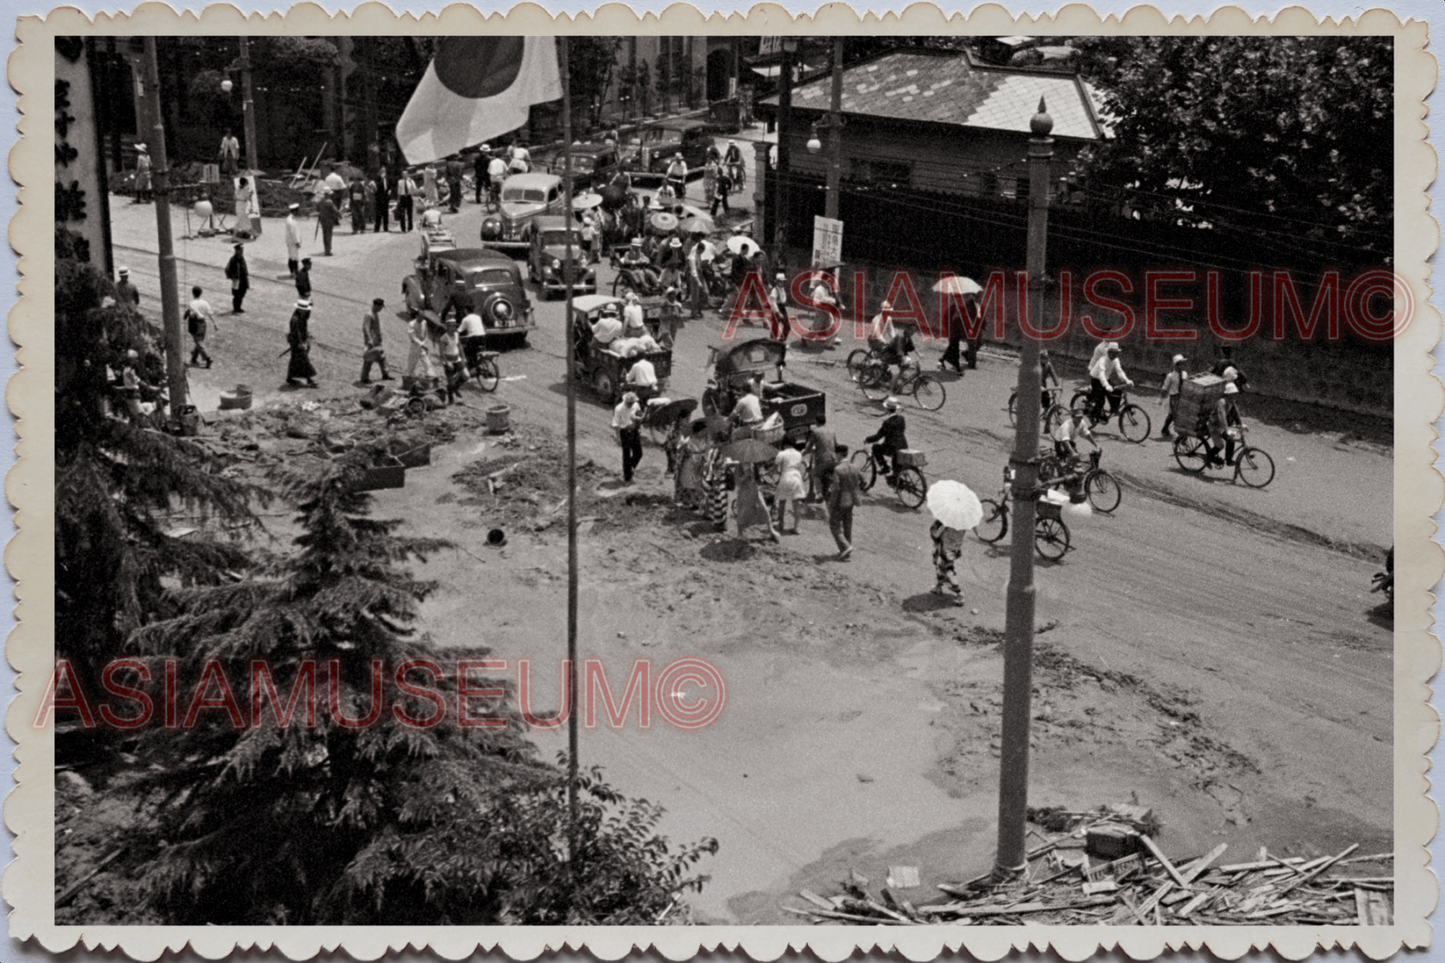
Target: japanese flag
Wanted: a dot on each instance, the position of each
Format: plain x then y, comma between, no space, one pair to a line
475,89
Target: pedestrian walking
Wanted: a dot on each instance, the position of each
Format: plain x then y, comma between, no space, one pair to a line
822,445
356,194
947,547
715,482
230,154
691,456
454,368
778,297
480,179
335,188
750,508
419,349
844,495
791,489
240,277
626,427
303,280
293,240
951,357
970,347
720,194
405,203
1173,384
298,340
454,185
381,197
125,292
247,214
374,353
142,175
327,217
198,316
429,185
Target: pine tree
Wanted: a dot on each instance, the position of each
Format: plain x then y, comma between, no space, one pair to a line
117,482
381,821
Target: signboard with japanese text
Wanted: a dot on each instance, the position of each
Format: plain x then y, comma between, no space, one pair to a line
827,242
80,194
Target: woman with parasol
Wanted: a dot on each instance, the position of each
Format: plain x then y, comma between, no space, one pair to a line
691,454
955,509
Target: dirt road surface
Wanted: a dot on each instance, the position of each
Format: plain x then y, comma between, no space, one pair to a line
1208,650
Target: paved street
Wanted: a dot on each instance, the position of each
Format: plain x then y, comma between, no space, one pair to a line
1210,647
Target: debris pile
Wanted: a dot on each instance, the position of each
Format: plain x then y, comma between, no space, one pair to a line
1104,868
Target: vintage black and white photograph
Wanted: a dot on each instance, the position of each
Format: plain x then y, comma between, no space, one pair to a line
822,480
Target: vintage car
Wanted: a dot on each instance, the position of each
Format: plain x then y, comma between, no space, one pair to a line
602,368
653,145
547,255
593,165
735,365
524,196
451,282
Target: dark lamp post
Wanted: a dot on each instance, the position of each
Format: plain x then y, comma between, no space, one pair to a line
1013,780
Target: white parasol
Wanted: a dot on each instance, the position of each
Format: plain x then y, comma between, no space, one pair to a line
700,224
585,202
745,246
953,284
954,504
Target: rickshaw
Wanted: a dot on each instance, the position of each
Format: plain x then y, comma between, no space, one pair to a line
600,366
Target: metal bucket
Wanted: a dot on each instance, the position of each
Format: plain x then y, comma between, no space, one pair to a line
499,419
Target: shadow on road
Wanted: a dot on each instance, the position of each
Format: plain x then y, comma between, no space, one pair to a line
925,602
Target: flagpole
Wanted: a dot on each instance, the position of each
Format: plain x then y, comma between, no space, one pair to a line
567,277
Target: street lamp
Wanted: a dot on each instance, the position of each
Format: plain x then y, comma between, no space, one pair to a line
814,144
226,85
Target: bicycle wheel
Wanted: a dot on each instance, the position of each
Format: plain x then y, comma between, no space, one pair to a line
867,471
487,374
1134,423
1013,415
1254,467
1080,400
1049,469
1103,491
928,392
1051,538
1189,452
911,487
876,382
857,360
1054,417
994,525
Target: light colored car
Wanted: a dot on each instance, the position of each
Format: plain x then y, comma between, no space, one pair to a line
524,196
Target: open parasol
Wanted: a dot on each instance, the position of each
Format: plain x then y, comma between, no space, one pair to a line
700,224
954,504
674,410
749,450
585,202
664,222
953,284
745,246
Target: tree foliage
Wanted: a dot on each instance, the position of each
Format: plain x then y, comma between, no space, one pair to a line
1290,135
381,822
120,486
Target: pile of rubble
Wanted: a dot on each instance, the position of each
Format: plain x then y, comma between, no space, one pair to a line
1104,868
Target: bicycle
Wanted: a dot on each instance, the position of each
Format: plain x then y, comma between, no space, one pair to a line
1134,423
876,380
1100,487
1252,465
859,358
907,483
1051,535
1050,415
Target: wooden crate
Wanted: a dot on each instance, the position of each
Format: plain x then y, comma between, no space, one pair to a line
912,458
1197,397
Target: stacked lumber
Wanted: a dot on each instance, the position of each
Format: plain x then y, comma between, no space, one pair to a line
1069,882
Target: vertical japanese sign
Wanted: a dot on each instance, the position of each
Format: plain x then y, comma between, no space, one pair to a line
827,242
82,218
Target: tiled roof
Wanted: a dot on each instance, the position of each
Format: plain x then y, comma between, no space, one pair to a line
948,88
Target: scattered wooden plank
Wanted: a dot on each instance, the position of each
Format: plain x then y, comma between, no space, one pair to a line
1319,869
815,899
1195,869
1258,864
69,893
1152,903
1371,908
1158,854
1194,904
1102,886
834,915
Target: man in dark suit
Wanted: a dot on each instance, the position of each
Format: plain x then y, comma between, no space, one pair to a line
240,278
327,216
382,195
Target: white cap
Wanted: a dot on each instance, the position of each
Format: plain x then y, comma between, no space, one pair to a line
1178,359
304,304
892,404
124,272
293,207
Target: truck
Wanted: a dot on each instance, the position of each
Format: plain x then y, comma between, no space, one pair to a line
599,365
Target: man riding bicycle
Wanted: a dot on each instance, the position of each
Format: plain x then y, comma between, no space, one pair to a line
890,438
733,163
1066,449
1107,378
899,352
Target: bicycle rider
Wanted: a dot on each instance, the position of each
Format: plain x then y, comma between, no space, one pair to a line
900,351
890,438
1224,422
1107,379
1046,375
1066,448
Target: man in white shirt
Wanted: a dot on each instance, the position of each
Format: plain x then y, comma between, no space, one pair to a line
643,377
198,315
230,154
625,426
473,335
607,328
749,409
883,330
293,240
1173,385
1074,426
1106,377
633,324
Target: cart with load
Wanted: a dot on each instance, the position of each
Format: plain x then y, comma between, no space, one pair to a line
1198,397
735,366
605,367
